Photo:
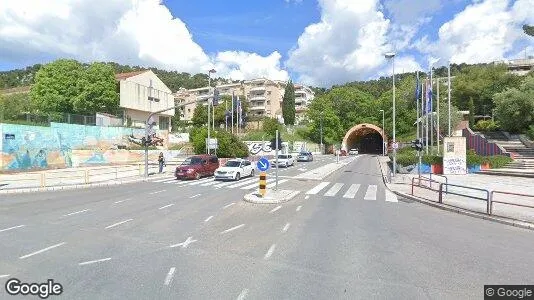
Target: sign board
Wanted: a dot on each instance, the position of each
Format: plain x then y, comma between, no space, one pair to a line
212,144
454,156
395,145
9,136
263,164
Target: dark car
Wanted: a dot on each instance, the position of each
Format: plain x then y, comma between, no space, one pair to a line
305,156
197,166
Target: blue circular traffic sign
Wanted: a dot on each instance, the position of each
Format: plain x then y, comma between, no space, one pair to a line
263,164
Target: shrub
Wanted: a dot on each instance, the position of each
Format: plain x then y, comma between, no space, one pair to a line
229,145
486,125
473,159
530,132
497,161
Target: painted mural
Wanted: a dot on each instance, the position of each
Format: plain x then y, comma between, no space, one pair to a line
27,147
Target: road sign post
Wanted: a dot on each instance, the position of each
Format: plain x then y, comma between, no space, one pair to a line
276,162
263,183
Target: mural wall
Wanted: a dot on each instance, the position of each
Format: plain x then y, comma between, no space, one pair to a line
27,147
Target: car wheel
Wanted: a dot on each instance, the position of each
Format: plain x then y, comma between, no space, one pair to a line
197,176
237,177
287,165
252,173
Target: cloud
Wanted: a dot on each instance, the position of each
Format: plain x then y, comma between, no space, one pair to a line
407,11
484,31
347,44
140,32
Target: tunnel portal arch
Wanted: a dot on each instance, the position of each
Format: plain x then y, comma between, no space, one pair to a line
367,138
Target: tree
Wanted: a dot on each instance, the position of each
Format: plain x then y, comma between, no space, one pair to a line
515,107
13,106
270,126
471,108
456,118
200,115
56,85
321,111
97,88
288,104
229,145
529,30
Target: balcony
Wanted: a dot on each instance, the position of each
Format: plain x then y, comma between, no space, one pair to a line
257,98
257,107
258,89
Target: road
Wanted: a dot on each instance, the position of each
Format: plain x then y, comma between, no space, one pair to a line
342,237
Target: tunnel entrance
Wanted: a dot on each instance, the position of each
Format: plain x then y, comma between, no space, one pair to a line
367,138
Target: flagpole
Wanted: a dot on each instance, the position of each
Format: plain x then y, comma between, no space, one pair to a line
233,99
449,94
437,131
417,101
422,110
225,115
431,113
426,117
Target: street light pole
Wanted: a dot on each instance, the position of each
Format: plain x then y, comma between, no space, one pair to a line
392,56
383,141
322,151
209,91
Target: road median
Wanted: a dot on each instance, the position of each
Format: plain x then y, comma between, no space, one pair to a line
272,197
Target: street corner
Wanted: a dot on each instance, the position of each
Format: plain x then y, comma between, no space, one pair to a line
271,197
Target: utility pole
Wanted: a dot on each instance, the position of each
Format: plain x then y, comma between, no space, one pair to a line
449,94
322,151
383,141
276,161
437,98
392,56
209,91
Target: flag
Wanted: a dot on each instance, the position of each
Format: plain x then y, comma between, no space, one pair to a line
240,112
428,96
417,87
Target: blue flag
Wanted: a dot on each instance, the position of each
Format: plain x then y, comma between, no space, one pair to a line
428,96
417,88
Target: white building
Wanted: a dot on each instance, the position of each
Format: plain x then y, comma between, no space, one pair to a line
142,93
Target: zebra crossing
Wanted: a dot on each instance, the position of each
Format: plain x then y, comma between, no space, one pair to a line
244,184
350,191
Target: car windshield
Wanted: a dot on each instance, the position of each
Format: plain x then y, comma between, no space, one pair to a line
303,153
192,161
282,156
232,163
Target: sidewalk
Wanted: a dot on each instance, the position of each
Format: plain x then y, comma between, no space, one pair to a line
461,192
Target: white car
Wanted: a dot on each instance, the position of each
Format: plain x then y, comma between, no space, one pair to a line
284,160
353,152
235,169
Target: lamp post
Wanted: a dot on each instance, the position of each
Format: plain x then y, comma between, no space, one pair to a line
322,151
391,55
383,141
209,91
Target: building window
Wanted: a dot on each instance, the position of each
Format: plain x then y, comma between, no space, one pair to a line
163,123
268,92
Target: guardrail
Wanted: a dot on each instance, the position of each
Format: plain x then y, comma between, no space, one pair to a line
487,199
442,176
429,187
492,200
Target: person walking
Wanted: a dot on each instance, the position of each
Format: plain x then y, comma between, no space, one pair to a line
161,161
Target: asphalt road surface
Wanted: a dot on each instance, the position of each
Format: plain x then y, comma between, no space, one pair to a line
343,237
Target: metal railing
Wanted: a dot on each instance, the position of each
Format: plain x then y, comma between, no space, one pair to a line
492,200
429,187
487,199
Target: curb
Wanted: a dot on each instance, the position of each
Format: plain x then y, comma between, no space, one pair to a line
501,220
498,173
324,175
67,187
253,198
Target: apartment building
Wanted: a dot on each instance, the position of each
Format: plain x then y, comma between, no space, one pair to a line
264,96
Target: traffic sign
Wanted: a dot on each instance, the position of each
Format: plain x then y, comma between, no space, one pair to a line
263,164
395,146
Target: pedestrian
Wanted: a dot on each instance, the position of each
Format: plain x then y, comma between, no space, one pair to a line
161,161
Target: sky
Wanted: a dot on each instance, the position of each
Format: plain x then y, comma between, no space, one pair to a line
315,42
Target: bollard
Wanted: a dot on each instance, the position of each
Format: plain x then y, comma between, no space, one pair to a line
263,183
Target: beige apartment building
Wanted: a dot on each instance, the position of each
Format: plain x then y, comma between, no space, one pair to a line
142,93
263,95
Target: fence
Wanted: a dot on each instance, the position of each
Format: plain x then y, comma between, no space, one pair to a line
480,144
46,119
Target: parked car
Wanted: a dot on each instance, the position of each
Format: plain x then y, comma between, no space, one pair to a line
305,156
284,160
235,169
197,166
353,152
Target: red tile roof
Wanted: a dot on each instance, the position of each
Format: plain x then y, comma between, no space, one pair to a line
122,76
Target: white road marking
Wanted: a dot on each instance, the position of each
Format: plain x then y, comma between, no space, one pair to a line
179,182
169,205
117,224
257,184
226,183
391,197
208,219
302,169
169,276
76,212
210,183
286,227
333,190
194,196
233,228
317,188
14,227
201,181
272,184
371,192
184,244
270,251
243,294
4,276
352,191
164,179
276,208
307,197
157,192
228,205
299,207
94,261
42,250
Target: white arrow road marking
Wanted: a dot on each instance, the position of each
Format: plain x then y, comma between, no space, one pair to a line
94,261
42,250
14,227
169,276
233,228
184,244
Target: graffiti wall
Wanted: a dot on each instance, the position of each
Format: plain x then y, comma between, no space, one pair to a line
27,147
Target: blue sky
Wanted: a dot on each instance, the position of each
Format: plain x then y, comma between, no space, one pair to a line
340,40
